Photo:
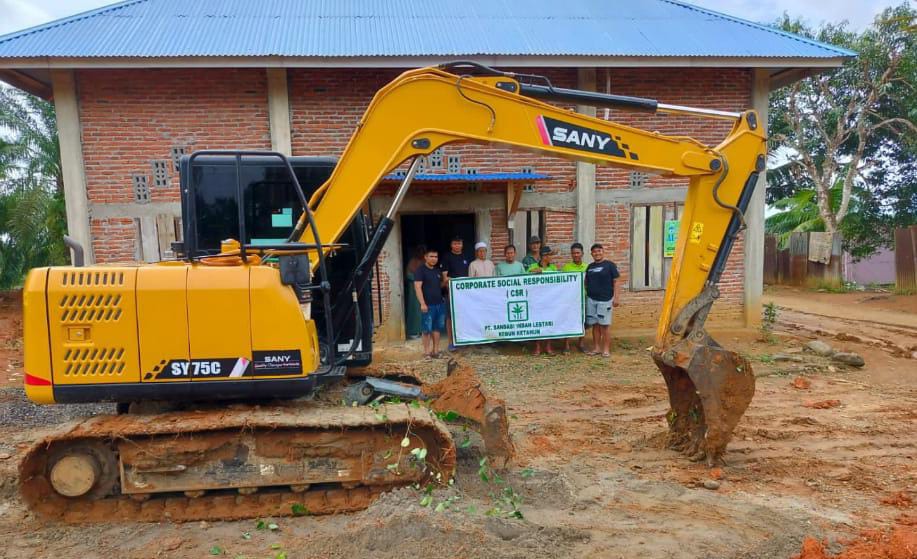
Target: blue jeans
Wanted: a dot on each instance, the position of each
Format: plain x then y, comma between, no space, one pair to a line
433,319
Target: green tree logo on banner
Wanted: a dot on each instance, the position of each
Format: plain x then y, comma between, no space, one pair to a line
517,311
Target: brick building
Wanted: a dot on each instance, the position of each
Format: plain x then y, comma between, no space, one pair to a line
138,83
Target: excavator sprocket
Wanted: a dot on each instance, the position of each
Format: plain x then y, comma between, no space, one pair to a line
709,390
232,463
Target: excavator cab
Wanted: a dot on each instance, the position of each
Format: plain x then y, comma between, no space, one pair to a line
271,207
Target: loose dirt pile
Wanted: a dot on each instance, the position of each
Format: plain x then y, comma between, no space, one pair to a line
899,542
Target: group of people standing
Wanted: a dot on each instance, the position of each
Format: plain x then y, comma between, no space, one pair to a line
428,276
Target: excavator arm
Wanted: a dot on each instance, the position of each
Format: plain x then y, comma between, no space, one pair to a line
424,109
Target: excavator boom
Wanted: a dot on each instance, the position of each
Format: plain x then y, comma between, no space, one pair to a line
422,110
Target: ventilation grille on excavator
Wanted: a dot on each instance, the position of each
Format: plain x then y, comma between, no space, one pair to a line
90,307
94,361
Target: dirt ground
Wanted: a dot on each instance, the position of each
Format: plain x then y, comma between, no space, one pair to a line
825,452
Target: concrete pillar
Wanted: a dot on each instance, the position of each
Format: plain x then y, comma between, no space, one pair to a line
585,172
392,265
754,216
483,226
278,106
67,110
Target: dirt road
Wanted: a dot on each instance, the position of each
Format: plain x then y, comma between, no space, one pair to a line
592,479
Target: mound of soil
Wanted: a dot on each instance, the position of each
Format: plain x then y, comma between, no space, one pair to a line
899,542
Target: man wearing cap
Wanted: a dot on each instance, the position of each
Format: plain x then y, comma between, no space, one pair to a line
544,266
534,252
481,267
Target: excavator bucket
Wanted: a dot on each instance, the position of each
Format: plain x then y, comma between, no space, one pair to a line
709,390
461,393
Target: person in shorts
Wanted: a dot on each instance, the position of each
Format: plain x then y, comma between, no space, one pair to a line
600,298
576,265
428,285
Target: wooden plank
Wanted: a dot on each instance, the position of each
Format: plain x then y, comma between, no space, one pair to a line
165,232
657,227
905,259
799,258
149,240
638,247
770,260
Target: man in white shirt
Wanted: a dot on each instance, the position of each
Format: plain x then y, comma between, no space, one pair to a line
481,267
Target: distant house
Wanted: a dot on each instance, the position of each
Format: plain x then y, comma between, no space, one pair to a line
140,82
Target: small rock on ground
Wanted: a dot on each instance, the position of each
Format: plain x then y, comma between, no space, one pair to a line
819,347
849,358
785,357
711,484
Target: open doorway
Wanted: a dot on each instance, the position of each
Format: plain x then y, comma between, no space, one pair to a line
432,231
436,231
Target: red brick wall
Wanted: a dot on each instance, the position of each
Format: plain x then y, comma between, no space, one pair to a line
326,105
712,88
130,117
113,239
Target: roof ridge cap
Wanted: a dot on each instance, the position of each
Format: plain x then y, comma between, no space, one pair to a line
67,20
761,26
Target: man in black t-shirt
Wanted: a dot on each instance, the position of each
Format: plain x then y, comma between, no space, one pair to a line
428,285
455,265
600,297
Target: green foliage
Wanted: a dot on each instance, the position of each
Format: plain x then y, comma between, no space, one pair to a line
32,214
850,136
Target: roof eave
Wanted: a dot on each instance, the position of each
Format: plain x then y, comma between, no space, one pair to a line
47,62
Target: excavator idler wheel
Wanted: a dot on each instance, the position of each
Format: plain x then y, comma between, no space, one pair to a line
82,469
74,475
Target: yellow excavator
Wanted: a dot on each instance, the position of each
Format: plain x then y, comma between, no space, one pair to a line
215,358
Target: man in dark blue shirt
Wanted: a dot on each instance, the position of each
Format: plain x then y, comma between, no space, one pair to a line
600,297
455,265
428,285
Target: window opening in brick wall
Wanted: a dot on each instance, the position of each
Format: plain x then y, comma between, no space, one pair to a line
528,223
141,188
454,163
160,173
175,153
638,179
436,159
649,268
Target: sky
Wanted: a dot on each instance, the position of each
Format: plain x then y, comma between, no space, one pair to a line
19,14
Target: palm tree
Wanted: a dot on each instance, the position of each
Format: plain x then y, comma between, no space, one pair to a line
32,215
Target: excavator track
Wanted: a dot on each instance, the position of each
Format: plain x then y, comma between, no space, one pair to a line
232,463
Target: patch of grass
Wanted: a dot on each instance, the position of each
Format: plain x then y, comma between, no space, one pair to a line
905,291
833,287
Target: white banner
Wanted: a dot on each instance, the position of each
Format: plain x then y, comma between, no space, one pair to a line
526,307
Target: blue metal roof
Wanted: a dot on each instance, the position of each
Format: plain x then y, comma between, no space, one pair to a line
469,177
369,28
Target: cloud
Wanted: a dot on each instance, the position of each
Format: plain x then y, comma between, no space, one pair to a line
859,13
21,14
